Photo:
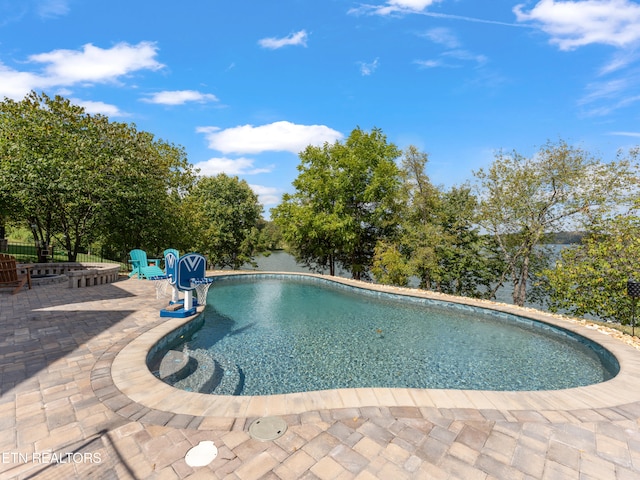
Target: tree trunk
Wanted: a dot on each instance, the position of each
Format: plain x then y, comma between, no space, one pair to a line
71,252
520,283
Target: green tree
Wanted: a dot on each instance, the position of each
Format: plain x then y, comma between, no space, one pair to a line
225,215
270,236
468,262
147,181
524,199
439,241
421,234
390,266
591,278
78,177
346,199
48,163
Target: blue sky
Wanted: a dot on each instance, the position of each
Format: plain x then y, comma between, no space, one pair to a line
245,85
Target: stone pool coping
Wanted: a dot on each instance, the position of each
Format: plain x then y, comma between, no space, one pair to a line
131,376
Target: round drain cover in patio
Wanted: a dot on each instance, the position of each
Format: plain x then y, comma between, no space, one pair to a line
267,428
202,454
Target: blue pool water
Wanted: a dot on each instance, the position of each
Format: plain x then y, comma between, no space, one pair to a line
269,334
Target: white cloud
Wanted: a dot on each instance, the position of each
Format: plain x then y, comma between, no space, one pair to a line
462,55
98,107
16,85
466,56
620,61
605,90
12,11
442,36
95,64
230,166
613,105
180,97
417,5
605,97
297,38
626,134
52,8
432,64
275,137
572,24
64,68
396,6
367,69
266,195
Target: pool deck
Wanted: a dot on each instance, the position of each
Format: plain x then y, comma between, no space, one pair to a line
77,402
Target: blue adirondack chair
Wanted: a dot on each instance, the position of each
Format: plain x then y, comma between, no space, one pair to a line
142,266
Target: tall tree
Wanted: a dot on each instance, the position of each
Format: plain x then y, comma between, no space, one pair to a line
346,199
225,215
439,242
77,177
468,263
147,180
421,234
523,199
48,161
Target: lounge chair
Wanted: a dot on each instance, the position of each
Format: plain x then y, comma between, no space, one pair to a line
142,266
9,276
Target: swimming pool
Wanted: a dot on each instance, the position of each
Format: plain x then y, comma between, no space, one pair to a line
269,334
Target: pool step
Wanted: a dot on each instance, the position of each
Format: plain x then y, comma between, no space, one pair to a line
175,365
196,371
232,378
202,378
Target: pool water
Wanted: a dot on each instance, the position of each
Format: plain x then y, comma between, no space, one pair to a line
269,335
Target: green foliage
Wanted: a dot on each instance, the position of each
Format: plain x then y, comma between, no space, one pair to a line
347,198
80,178
524,199
225,215
43,155
390,266
468,263
438,241
591,278
269,236
148,180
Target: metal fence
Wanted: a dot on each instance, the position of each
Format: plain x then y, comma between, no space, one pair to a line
30,252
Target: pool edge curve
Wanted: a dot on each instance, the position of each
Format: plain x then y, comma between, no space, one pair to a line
132,377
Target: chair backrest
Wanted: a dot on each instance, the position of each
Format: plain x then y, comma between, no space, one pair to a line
171,256
171,250
8,269
139,255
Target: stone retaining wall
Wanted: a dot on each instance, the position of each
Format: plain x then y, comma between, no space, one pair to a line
79,274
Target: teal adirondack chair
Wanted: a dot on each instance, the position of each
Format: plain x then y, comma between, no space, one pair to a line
142,266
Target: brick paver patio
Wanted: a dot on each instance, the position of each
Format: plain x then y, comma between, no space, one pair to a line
76,404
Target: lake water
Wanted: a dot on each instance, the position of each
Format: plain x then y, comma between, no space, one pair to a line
281,261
